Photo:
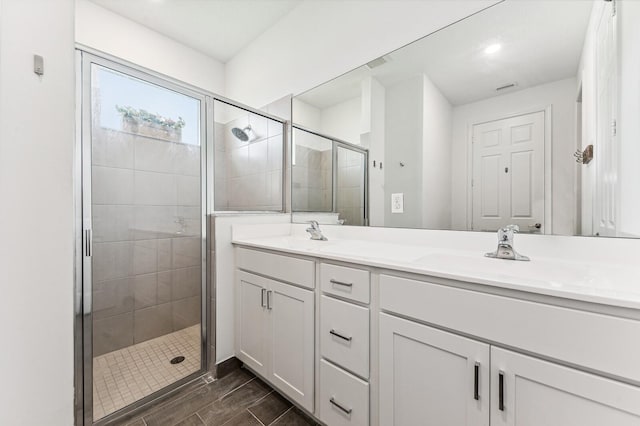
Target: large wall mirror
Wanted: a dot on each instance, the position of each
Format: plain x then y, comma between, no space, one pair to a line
525,113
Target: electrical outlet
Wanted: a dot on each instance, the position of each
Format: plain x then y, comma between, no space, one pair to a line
397,203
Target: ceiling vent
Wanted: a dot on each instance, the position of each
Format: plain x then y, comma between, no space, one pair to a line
506,86
377,62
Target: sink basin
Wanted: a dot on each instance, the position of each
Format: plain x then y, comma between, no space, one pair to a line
565,275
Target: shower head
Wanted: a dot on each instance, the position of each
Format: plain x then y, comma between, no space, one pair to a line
245,134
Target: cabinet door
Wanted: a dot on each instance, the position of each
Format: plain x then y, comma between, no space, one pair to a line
251,317
431,377
291,312
540,393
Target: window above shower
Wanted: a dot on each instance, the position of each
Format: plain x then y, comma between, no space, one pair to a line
248,156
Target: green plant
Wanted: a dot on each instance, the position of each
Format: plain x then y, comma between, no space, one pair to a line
142,115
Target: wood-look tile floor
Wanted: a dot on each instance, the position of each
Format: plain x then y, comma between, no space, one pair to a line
240,398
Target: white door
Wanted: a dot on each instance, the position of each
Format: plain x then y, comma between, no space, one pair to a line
541,393
291,318
606,156
508,173
251,321
430,377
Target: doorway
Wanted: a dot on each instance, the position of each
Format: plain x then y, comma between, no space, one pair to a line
508,173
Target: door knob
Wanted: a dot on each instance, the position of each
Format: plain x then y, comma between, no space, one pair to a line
536,226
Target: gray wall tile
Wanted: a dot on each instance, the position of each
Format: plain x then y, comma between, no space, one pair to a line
152,322
112,333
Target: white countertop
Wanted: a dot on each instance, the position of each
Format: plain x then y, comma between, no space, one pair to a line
588,281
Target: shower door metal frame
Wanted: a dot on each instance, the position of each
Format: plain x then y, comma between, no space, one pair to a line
365,152
83,320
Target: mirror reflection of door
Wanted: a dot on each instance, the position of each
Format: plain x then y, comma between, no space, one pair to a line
607,185
508,173
350,187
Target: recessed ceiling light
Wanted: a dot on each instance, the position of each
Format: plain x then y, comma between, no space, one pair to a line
492,48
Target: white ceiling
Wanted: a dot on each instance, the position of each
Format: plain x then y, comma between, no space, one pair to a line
217,28
541,42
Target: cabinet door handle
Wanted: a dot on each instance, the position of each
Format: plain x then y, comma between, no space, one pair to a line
269,306
339,406
476,380
343,337
332,281
262,296
501,390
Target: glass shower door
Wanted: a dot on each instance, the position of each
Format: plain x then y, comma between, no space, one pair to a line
351,184
144,206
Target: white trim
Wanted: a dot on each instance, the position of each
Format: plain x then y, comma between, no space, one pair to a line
548,162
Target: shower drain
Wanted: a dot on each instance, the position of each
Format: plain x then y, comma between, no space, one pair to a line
177,360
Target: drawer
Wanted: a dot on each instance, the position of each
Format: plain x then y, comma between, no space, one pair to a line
342,281
290,269
344,335
595,341
344,399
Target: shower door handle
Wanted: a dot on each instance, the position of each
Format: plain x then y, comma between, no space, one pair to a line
87,242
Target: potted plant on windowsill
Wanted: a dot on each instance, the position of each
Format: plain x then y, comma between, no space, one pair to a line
144,123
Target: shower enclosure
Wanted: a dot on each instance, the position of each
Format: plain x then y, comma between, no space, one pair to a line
145,185
329,178
143,236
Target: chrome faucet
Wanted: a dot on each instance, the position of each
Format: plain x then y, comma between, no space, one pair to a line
315,232
505,248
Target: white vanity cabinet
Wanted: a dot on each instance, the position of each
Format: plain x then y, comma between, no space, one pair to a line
344,345
431,377
275,331
357,344
427,375
537,392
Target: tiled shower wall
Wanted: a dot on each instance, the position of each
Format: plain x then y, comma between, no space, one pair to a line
311,180
249,174
146,238
350,187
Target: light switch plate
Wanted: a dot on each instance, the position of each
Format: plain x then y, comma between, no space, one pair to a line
397,203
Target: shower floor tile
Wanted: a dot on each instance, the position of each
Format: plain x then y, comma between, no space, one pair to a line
124,376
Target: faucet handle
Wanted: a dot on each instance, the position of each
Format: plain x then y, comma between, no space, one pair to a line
505,234
512,228
314,224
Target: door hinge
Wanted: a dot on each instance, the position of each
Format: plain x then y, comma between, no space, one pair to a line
613,8
614,127
472,182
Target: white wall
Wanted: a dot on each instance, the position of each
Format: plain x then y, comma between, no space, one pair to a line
225,270
111,33
373,133
320,40
306,115
561,95
436,157
36,189
342,120
403,144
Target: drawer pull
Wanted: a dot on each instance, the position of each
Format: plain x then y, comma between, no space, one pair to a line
501,390
262,295
332,281
476,385
339,406
335,333
269,305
